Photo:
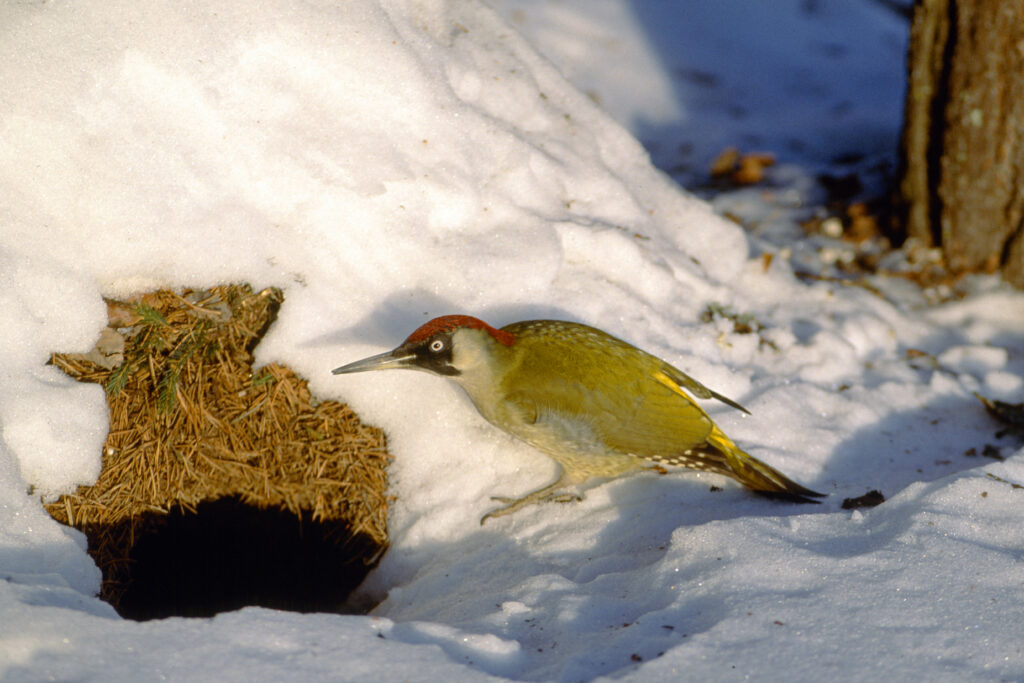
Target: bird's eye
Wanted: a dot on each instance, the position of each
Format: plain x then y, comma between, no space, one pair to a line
437,345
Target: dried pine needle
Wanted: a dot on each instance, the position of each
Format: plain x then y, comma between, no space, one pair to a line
190,421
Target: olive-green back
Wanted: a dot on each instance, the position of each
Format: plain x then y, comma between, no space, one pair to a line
582,372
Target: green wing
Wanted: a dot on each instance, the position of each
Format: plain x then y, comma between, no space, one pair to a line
628,398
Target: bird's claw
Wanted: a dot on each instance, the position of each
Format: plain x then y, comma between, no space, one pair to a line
513,504
551,498
563,498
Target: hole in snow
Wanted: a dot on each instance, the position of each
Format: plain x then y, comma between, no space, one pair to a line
226,555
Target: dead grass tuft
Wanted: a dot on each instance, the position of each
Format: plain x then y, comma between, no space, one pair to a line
190,422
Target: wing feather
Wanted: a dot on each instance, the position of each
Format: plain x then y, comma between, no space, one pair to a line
618,391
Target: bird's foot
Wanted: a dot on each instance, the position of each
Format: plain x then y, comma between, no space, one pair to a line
545,495
564,498
550,498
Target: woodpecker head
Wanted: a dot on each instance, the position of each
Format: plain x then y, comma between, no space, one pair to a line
450,346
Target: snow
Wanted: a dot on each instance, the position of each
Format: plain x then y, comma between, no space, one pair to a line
818,81
384,162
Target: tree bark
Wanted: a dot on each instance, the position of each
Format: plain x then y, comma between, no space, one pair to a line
963,138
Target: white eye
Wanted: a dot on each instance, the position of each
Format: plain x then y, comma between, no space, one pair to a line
437,345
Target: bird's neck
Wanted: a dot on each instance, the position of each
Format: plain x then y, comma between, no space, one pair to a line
482,364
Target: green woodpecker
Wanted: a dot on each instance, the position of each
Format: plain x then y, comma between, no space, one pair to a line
598,406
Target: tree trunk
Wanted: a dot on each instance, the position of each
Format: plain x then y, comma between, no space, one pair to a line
963,135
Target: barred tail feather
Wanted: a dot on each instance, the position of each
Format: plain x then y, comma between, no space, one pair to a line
758,476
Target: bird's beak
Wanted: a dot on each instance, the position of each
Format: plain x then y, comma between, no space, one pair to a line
382,361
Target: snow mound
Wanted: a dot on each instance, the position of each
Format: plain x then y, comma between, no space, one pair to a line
386,162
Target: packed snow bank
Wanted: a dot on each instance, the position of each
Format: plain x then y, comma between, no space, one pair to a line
332,153
387,162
